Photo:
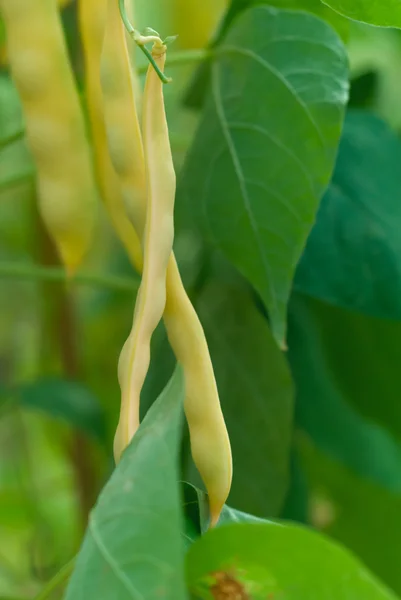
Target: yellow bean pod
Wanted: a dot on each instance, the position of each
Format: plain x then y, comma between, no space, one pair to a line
3,51
55,124
209,438
157,245
92,22
122,123
210,444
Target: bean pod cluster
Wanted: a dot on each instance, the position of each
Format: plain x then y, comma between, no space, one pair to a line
135,178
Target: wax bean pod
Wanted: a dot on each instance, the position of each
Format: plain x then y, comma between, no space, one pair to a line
210,444
157,246
92,22
3,51
54,121
121,117
209,438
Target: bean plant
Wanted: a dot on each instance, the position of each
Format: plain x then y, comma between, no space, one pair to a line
200,317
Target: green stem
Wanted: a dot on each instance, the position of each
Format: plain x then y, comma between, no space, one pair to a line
137,39
124,16
61,577
33,273
186,57
152,61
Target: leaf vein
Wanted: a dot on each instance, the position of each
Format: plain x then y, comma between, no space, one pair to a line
238,170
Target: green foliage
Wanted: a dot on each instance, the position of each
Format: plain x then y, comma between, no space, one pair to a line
359,513
386,13
287,211
232,194
269,560
312,6
65,400
349,342
324,406
197,514
133,546
375,54
197,91
256,394
353,256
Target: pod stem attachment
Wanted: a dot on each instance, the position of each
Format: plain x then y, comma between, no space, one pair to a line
142,40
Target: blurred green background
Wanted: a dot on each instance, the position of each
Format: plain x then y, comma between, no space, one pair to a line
59,346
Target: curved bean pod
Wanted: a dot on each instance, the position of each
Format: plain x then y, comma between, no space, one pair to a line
210,443
3,51
209,438
121,117
92,21
157,244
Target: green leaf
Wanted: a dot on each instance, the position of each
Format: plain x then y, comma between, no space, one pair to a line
313,6
324,410
15,161
69,401
359,358
358,513
256,394
133,546
386,13
11,117
197,91
296,503
264,151
353,255
263,561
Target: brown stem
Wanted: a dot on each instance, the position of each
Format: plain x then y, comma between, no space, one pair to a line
60,330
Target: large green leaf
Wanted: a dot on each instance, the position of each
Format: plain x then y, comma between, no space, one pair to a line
313,6
353,255
197,91
324,410
133,547
352,262
262,561
358,513
256,395
360,357
386,13
266,145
